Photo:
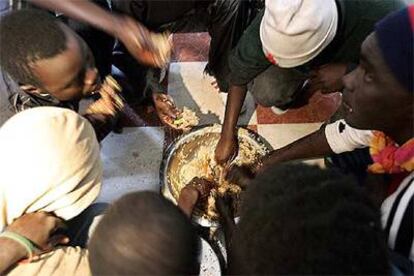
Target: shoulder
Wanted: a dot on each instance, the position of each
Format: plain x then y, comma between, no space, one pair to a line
341,137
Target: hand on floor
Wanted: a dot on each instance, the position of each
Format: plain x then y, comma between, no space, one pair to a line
166,109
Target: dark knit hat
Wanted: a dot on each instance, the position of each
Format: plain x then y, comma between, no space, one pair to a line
396,41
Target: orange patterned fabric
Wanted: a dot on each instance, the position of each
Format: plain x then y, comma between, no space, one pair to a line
390,158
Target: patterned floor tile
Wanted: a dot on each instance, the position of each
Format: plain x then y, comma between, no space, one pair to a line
319,108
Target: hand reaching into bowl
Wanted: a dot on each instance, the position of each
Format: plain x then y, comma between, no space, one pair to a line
197,191
240,175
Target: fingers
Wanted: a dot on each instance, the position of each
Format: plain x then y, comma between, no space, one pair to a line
224,206
240,175
58,240
171,111
215,86
166,109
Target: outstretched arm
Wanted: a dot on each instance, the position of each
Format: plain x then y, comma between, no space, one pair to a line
227,145
130,32
313,145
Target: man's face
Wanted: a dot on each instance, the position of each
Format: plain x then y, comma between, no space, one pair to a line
70,75
373,98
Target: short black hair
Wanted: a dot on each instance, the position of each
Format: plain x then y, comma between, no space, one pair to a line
300,219
143,233
27,36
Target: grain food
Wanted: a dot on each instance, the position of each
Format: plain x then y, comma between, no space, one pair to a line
110,91
200,162
187,119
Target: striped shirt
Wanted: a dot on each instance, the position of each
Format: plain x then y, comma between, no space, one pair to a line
397,218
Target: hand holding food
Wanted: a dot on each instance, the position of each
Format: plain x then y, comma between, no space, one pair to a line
195,159
171,116
165,108
110,102
147,47
186,119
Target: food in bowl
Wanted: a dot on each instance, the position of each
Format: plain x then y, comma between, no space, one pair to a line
195,158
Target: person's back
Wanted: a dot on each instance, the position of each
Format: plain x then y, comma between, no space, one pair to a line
298,219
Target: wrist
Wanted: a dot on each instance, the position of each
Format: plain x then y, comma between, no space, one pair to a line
228,133
13,249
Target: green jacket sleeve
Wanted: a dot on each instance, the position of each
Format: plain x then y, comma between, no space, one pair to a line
247,59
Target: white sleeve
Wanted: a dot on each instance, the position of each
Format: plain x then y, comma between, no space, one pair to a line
341,137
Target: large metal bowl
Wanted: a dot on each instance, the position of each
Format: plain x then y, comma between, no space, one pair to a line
188,146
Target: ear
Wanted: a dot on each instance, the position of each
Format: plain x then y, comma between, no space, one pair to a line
31,89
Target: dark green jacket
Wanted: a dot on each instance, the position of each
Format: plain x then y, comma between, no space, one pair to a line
357,19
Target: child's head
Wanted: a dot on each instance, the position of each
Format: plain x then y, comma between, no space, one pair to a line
46,56
143,233
299,219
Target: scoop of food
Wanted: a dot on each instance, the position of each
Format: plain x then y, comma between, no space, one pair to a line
192,156
186,119
181,119
204,166
111,102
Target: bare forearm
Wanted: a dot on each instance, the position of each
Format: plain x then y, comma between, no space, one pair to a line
313,145
235,100
85,11
10,253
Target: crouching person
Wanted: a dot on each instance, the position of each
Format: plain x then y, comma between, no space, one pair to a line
51,173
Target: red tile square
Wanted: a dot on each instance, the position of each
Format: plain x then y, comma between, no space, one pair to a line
252,127
319,108
190,47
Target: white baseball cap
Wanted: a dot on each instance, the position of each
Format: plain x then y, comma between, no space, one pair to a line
293,32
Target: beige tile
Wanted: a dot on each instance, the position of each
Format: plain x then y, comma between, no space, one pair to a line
131,161
190,87
279,135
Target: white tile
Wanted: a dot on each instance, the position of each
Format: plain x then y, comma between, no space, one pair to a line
279,135
131,161
190,87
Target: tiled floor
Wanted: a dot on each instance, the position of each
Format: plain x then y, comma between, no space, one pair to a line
132,159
